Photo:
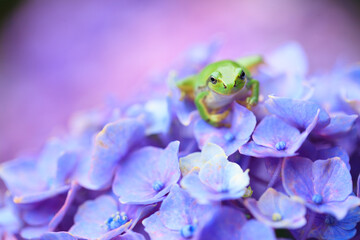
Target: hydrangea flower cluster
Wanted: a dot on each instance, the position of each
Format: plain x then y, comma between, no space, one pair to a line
286,169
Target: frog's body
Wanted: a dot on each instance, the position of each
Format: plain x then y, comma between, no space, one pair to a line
218,85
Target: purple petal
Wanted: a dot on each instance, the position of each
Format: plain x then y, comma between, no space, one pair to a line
297,177
272,130
63,210
57,236
252,149
33,232
332,152
272,202
130,235
111,144
156,229
136,176
299,113
339,123
226,223
230,139
332,179
254,230
337,209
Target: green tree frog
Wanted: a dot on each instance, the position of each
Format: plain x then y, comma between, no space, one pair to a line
218,85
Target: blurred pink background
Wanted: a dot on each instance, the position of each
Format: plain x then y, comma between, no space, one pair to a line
57,57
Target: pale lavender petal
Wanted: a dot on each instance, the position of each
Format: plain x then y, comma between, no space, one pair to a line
332,179
297,177
130,235
33,232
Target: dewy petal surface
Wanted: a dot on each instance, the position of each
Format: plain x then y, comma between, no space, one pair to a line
138,172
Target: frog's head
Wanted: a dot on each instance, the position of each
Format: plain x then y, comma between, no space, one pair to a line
227,80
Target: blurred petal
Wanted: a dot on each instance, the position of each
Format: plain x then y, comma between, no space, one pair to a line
254,230
111,144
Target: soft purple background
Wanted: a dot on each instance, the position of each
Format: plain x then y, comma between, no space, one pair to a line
61,56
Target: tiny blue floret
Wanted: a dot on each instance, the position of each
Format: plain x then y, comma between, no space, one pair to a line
116,220
317,198
280,146
158,186
229,137
187,231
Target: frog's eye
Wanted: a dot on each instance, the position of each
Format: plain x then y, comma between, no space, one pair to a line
213,80
242,75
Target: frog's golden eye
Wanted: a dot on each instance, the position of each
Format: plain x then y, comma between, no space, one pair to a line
213,80
242,75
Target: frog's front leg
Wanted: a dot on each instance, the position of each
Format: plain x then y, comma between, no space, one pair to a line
254,98
213,119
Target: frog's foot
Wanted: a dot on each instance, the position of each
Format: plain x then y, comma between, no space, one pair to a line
216,119
251,101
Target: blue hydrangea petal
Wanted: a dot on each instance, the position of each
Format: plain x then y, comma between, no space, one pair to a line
10,220
156,229
255,150
91,215
271,130
130,235
135,177
222,175
154,113
192,184
226,223
254,230
65,167
292,213
191,161
299,113
243,123
33,232
111,144
179,209
337,209
57,236
326,153
297,177
339,123
332,179
65,207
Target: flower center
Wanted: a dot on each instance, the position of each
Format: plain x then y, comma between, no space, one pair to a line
317,199
276,217
158,186
116,220
330,220
187,231
229,137
280,146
